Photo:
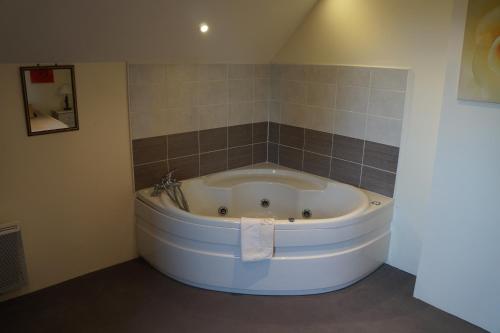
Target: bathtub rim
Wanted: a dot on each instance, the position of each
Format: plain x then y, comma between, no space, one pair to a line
356,216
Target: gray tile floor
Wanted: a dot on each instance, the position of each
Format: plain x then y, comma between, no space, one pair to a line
133,297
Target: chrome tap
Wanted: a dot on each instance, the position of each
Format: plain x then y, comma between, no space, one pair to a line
172,187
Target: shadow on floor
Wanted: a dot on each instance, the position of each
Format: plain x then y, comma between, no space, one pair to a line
134,297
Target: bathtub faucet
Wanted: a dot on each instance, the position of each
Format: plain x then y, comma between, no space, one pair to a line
172,187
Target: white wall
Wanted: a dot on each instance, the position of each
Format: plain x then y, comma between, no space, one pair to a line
459,268
153,31
71,192
393,33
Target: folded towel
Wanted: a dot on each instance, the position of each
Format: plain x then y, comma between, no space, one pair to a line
257,239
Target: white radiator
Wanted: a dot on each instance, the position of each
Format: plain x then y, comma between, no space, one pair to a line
12,263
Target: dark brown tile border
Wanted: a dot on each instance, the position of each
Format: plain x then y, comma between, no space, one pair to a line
186,167
353,161
148,174
182,144
213,139
149,150
259,132
213,162
381,156
317,164
349,149
239,157
274,132
239,135
378,181
345,172
272,152
259,152
290,157
318,142
292,136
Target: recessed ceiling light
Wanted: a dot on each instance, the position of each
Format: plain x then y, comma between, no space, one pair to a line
204,28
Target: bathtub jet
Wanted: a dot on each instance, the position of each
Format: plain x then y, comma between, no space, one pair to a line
328,235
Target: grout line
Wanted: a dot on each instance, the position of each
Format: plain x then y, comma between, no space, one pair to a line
251,144
334,118
341,159
279,137
303,146
149,163
199,152
372,167
228,113
168,164
366,127
253,109
331,158
291,147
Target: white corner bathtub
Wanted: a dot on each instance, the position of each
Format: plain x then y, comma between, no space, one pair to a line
345,239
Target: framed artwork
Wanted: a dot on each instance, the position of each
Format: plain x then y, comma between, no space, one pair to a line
480,69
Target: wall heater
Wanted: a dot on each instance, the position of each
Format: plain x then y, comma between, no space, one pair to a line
12,262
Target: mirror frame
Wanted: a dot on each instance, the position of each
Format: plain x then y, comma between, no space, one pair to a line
22,70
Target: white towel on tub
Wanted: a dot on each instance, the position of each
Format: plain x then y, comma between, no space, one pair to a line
257,238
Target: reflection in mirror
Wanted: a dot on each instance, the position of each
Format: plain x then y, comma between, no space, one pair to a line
49,99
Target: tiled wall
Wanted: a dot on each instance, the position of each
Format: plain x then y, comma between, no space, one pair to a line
339,122
335,121
198,119
169,99
198,153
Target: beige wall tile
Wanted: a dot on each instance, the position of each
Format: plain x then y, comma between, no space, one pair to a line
294,92
275,112
146,98
352,98
146,74
383,130
240,113
350,124
260,112
293,114
386,103
293,72
320,94
353,76
276,89
262,89
388,78
320,119
241,90
183,119
212,92
180,94
263,71
277,71
321,74
181,72
212,72
241,71
146,125
213,116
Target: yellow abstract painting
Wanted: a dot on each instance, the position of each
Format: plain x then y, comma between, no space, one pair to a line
480,70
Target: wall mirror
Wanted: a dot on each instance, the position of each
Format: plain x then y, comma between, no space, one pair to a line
49,99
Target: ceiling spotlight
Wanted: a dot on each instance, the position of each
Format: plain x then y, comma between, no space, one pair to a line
204,28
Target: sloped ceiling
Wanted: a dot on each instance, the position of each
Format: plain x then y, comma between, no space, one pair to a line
148,31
